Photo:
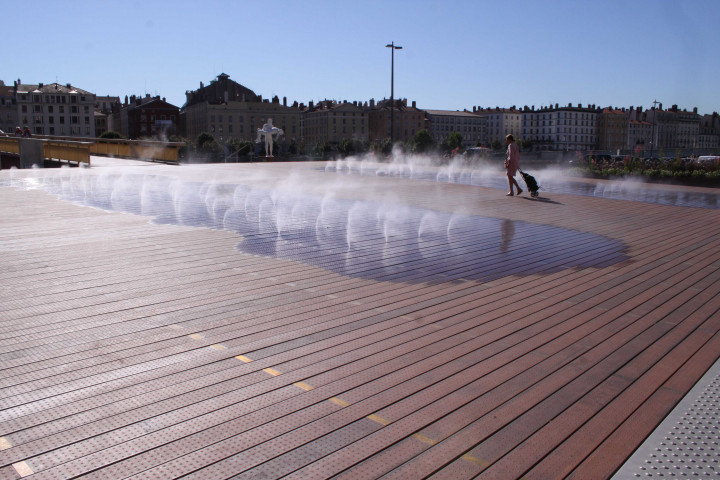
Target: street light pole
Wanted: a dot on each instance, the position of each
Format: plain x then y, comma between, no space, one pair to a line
652,135
392,48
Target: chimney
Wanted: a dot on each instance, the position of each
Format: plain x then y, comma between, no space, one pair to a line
40,85
284,101
201,85
372,103
414,105
695,110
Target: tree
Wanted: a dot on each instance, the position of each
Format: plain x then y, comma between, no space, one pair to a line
346,147
240,147
111,135
455,140
422,141
208,148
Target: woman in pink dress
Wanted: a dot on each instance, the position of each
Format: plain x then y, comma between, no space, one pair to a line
512,164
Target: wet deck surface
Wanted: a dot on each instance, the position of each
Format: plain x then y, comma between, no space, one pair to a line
275,320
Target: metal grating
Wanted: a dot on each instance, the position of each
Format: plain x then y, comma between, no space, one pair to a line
687,442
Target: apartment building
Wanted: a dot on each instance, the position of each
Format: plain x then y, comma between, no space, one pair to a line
54,109
612,129
709,137
674,128
228,110
8,109
500,122
561,128
333,122
406,121
144,117
471,126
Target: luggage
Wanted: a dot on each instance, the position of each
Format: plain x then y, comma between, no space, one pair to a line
531,183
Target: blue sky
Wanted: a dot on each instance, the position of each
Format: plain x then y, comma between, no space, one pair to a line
456,54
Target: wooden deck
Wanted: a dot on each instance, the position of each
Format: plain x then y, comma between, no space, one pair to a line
398,329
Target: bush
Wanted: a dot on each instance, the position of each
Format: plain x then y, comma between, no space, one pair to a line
111,135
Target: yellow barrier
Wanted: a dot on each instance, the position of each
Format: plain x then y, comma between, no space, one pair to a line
9,145
75,149
142,149
69,151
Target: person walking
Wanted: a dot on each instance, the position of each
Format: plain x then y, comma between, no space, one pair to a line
512,164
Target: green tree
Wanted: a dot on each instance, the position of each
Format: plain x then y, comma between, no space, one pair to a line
346,147
240,147
422,141
455,140
111,135
206,143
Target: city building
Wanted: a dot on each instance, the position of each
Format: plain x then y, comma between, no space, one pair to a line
8,109
672,128
612,129
144,117
406,121
709,136
639,135
54,109
560,128
333,122
499,123
471,126
228,110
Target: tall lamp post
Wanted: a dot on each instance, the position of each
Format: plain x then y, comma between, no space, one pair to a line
652,135
392,48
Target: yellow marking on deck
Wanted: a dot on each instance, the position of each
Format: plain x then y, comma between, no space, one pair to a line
243,358
424,439
337,401
303,385
175,327
23,469
475,460
196,336
218,347
5,443
379,420
272,371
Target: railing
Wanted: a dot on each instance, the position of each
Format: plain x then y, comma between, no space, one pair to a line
9,145
78,149
141,149
64,150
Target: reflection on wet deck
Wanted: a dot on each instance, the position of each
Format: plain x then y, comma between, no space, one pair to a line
378,241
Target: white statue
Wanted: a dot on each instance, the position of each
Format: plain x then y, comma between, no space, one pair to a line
268,130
